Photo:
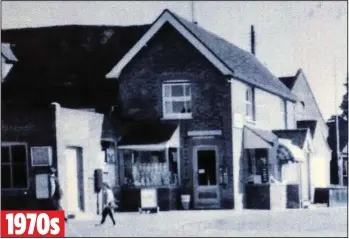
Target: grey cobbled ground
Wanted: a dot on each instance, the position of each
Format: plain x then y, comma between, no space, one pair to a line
320,222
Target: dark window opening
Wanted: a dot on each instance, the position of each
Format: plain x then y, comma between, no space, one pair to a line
14,172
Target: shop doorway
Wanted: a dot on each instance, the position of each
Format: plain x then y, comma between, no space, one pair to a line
206,190
74,189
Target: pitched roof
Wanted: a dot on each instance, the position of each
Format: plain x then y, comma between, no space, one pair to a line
65,60
289,81
307,124
297,136
243,64
228,58
148,132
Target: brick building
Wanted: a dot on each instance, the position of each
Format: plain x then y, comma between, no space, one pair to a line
191,115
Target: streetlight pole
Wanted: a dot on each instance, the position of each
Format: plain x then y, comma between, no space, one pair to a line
339,158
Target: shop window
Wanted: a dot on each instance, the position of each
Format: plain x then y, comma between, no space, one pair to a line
257,166
177,100
14,166
150,168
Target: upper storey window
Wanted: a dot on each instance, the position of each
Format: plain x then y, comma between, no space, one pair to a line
176,100
249,101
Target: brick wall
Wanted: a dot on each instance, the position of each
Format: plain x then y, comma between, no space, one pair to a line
168,56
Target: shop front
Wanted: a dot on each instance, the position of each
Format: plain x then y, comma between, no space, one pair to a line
149,162
276,175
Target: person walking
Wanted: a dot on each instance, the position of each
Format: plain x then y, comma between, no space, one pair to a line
56,191
108,203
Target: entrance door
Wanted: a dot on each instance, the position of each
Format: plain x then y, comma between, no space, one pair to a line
73,192
206,178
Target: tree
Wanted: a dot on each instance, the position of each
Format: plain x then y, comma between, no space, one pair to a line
344,104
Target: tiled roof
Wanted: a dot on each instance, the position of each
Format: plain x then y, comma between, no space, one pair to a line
307,124
244,65
297,136
148,132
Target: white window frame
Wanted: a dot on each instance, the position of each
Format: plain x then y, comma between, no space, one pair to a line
48,148
10,144
249,103
345,166
186,115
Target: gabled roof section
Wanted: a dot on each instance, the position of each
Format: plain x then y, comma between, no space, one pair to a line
307,124
226,57
297,136
289,81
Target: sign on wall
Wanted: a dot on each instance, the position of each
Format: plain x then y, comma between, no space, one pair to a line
42,186
149,198
238,120
41,156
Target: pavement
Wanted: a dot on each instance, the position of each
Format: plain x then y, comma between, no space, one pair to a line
319,222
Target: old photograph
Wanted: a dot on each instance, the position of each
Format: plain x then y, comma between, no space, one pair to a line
174,118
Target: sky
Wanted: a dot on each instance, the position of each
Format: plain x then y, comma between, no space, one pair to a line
289,35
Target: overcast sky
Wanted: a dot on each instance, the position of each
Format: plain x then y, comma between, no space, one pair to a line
289,35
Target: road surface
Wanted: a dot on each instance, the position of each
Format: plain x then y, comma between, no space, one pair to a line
321,222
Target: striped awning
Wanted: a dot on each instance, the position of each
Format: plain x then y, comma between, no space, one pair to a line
288,152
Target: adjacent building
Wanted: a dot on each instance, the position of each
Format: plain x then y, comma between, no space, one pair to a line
308,116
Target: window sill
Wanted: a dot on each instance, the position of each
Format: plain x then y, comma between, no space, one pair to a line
176,117
250,121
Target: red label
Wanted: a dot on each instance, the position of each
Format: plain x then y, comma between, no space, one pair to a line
32,224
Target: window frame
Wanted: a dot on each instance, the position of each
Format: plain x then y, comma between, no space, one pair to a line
9,145
250,102
171,99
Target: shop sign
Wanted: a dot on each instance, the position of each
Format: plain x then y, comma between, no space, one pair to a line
264,172
149,198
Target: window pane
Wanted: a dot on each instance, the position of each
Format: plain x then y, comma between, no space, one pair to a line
249,110
5,176
19,173
177,90
18,153
188,106
248,95
187,91
167,89
178,107
168,107
5,154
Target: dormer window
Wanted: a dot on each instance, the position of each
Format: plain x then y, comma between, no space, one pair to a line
249,101
176,100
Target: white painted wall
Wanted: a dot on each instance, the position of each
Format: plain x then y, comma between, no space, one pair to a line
80,129
269,115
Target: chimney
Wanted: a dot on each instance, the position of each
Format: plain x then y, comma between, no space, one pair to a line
253,41
193,12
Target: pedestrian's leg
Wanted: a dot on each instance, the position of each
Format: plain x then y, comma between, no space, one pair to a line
104,215
111,215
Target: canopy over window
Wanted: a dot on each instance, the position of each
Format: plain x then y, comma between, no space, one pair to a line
288,152
154,136
257,138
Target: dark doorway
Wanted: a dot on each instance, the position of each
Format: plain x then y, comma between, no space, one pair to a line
207,167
